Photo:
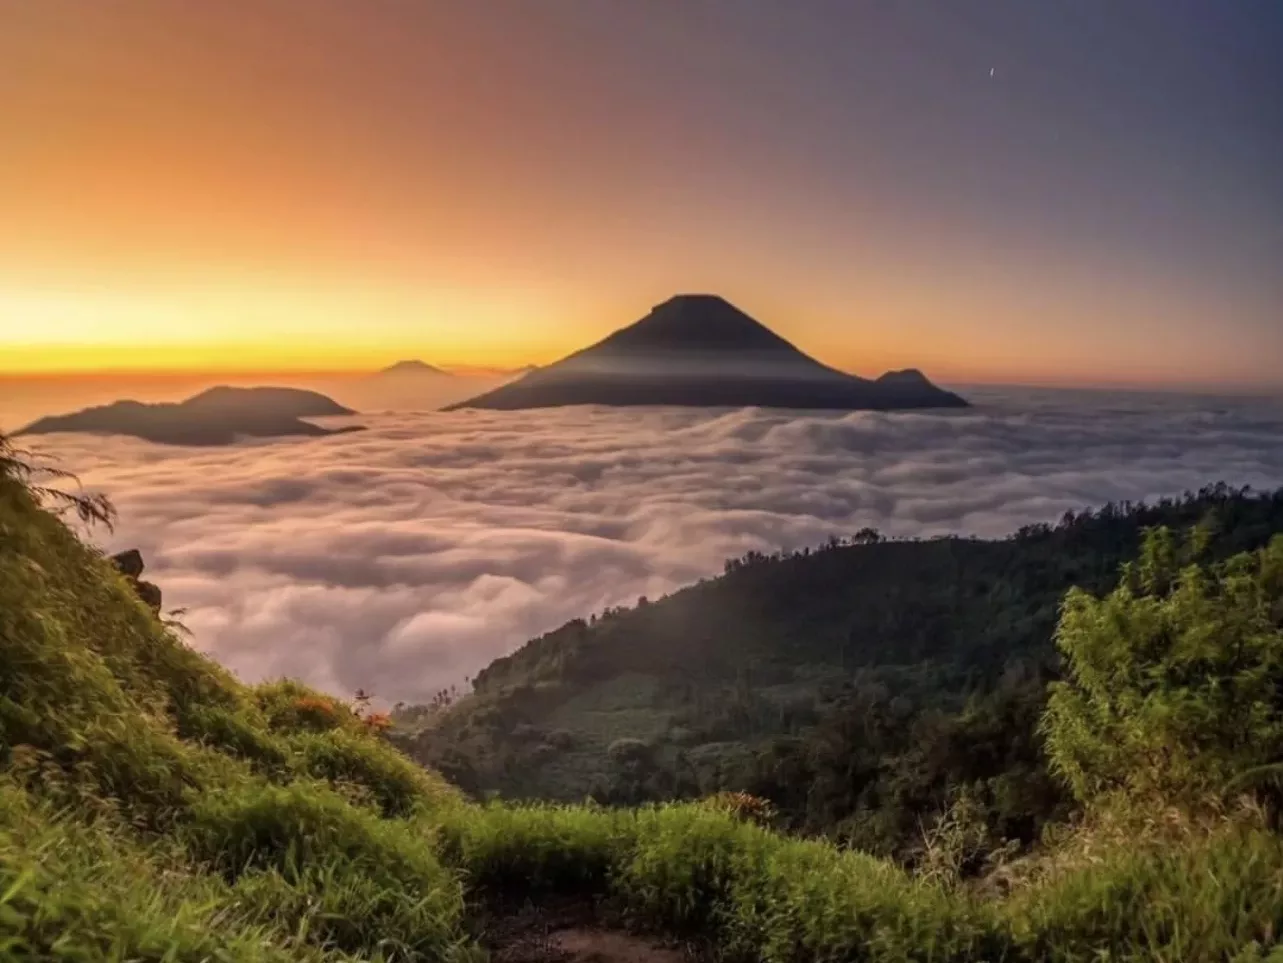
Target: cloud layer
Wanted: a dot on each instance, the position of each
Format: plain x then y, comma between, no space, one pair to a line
405,557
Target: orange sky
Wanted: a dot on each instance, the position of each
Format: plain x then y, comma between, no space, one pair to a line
320,185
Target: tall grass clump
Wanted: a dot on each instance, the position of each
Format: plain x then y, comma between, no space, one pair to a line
394,784
239,733
71,890
537,850
360,882
761,896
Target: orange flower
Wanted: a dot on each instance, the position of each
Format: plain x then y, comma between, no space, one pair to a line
309,704
743,806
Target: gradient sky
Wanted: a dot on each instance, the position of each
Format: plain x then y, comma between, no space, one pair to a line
1059,191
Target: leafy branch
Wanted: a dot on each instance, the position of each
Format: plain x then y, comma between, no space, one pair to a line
42,480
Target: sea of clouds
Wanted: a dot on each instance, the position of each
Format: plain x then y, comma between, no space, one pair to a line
405,557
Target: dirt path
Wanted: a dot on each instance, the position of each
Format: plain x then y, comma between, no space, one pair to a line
571,931
588,945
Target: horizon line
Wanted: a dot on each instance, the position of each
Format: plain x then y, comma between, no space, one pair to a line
1234,387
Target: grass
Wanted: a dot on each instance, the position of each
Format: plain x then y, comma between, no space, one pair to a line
1204,900
153,808
315,863
693,871
71,889
756,896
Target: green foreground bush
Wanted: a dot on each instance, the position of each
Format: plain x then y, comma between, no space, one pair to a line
152,808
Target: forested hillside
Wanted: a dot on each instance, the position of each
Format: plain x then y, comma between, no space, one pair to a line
863,687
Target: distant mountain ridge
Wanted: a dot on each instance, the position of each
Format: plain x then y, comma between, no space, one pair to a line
217,416
700,350
412,366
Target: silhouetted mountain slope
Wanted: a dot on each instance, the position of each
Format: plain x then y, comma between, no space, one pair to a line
700,350
411,368
217,416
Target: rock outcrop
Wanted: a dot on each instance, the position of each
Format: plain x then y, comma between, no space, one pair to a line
131,565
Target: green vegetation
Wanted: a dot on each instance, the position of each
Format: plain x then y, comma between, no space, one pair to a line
1171,686
152,808
865,688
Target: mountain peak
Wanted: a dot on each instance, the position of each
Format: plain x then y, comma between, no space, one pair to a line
411,366
700,350
692,299
289,402
906,376
696,322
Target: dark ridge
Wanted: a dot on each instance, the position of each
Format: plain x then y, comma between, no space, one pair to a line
217,416
297,402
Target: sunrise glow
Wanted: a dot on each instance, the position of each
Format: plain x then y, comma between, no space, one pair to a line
303,186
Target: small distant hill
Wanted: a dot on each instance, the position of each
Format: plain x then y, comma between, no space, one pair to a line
218,416
699,350
411,368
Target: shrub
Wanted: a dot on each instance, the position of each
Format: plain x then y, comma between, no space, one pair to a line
396,784
682,869
797,901
537,849
236,733
291,707
1174,681
742,805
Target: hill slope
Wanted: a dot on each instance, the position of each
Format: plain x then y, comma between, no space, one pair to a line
700,350
856,686
216,416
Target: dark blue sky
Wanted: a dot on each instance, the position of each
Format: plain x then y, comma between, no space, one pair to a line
1152,131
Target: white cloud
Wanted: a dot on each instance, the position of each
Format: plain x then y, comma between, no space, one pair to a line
402,558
